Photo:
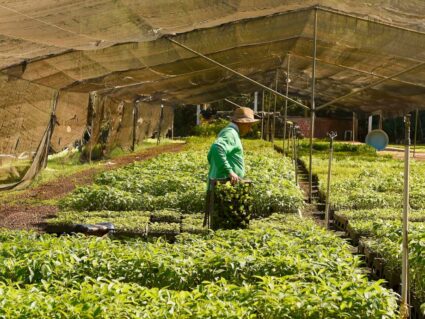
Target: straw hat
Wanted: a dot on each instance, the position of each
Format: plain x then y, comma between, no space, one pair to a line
243,115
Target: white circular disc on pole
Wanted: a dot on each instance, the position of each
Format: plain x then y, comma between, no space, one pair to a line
378,139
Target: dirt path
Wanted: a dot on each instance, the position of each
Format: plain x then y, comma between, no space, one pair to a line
399,154
22,215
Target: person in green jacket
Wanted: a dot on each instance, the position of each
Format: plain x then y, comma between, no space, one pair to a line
226,153
226,156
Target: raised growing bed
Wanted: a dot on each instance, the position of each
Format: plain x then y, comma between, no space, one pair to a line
393,278
166,216
416,312
226,274
163,223
369,256
353,234
378,265
340,221
149,185
155,231
370,196
360,247
59,228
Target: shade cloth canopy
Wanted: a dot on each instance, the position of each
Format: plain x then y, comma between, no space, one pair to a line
119,48
120,51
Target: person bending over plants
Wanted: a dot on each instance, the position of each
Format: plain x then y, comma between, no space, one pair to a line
225,157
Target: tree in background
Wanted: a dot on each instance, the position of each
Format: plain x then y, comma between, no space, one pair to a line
185,117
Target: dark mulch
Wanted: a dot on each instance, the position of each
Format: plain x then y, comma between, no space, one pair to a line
25,216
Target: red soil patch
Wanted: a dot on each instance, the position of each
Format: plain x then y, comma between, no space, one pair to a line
27,216
399,154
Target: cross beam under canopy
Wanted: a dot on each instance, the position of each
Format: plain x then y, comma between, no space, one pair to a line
321,61
384,79
233,103
238,74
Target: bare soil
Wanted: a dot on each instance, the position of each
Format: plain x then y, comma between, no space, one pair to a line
22,215
399,154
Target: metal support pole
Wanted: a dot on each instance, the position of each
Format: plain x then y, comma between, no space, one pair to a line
262,116
294,132
172,129
135,119
198,114
255,102
264,87
289,137
310,177
354,127
296,142
285,112
268,99
294,150
416,132
284,134
293,143
370,122
94,100
161,118
313,111
297,149
404,307
331,135
275,103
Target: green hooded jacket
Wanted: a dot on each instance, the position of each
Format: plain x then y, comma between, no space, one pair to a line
226,154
